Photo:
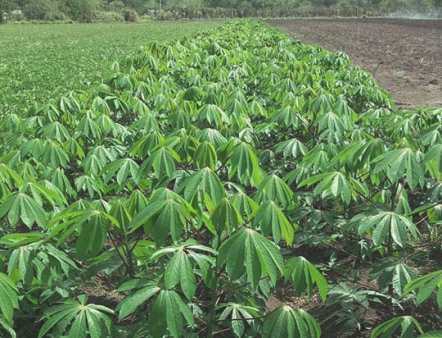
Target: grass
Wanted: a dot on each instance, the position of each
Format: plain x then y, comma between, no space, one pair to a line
43,61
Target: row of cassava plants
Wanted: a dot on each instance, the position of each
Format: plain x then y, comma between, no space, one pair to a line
208,185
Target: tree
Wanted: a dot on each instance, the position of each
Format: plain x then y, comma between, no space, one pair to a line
82,10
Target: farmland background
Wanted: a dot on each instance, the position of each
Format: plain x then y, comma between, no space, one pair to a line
40,62
129,10
220,179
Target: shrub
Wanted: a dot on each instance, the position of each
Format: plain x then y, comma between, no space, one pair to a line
116,6
130,15
105,16
82,10
16,15
40,10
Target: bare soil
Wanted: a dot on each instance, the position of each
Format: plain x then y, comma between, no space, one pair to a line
405,56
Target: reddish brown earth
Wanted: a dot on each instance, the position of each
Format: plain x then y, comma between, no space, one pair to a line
405,56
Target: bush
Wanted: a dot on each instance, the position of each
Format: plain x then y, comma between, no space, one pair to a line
105,16
41,10
16,15
83,10
116,6
130,15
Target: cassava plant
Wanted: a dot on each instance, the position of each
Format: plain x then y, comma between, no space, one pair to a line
234,184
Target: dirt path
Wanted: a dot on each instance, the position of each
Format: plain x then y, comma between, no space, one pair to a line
405,56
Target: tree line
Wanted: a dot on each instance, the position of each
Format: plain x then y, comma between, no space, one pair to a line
90,10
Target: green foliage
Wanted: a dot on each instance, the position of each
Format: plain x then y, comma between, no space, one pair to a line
425,286
248,253
9,300
404,326
84,56
201,181
388,225
78,319
287,322
304,275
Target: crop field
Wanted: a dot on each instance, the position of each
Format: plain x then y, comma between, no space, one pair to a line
39,62
236,183
404,55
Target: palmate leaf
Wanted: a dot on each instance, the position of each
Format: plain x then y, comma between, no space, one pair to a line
273,188
130,304
245,205
90,184
244,165
205,156
332,127
402,162
78,319
225,216
239,316
248,253
73,148
61,181
93,164
213,136
316,159
169,315
163,161
403,327
33,260
433,161
292,148
9,177
8,298
273,222
45,190
291,117
146,144
285,322
304,276
180,270
387,223
426,286
56,131
322,103
167,213
88,128
122,169
104,154
20,206
120,213
92,235
53,154
333,183
92,225
360,153
202,184
136,202
394,273
213,116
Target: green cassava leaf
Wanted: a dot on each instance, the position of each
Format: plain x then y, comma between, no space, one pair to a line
304,276
272,221
286,322
248,253
387,223
404,326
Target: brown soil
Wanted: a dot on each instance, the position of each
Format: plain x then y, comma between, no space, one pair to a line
405,56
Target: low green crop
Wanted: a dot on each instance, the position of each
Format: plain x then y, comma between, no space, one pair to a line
41,62
212,185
